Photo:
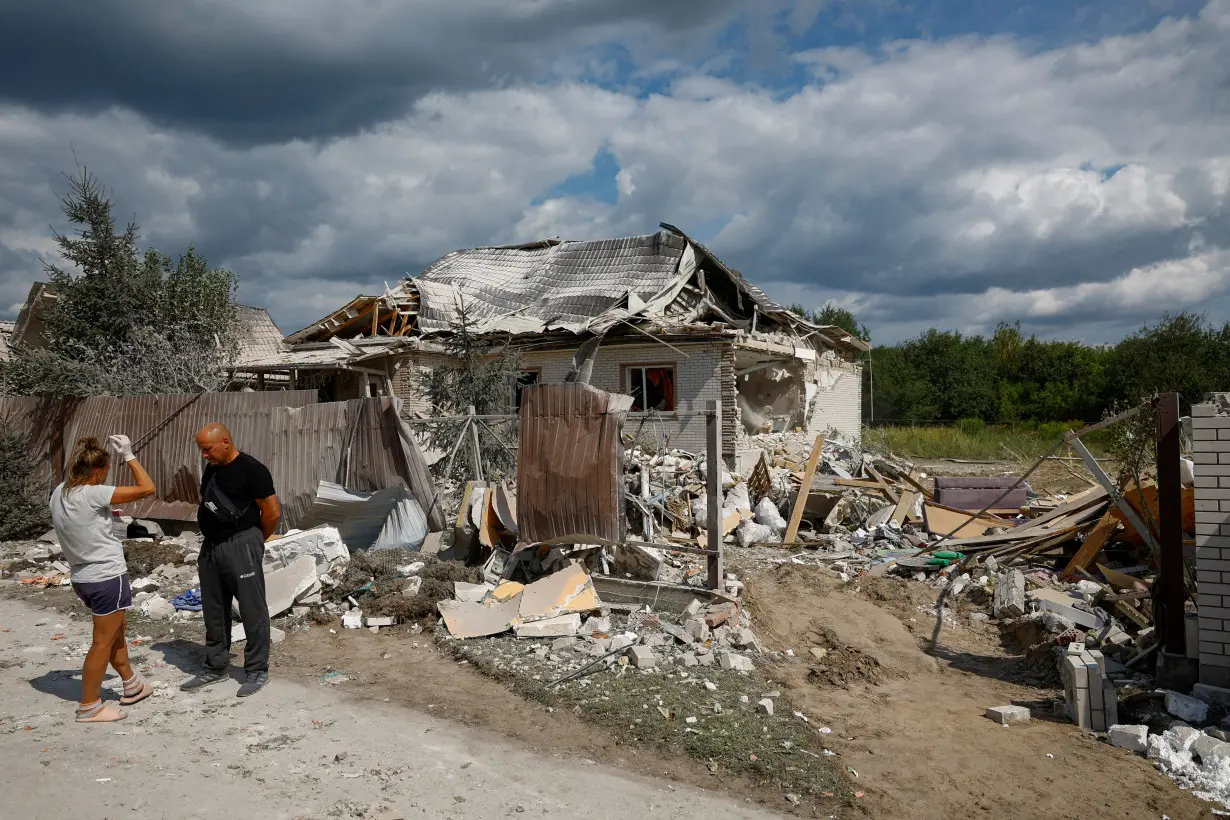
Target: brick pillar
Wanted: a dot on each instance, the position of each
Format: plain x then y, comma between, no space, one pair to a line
1211,454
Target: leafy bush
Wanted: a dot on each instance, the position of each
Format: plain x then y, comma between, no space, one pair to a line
23,495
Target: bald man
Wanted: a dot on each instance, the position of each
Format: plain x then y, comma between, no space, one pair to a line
238,514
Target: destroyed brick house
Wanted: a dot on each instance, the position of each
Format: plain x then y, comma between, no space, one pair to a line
679,329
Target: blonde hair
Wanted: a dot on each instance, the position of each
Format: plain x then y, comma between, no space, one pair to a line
87,458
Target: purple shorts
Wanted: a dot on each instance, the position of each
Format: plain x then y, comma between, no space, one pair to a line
105,597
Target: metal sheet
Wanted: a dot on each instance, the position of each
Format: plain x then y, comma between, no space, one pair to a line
359,444
570,464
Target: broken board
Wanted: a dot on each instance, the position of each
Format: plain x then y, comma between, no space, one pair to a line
941,520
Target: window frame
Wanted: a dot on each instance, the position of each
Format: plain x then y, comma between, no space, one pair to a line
625,369
513,390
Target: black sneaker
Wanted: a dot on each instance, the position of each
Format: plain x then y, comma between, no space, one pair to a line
256,681
207,677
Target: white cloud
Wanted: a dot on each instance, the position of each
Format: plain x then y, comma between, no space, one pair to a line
953,183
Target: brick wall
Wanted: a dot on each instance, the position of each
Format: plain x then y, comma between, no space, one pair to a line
1211,454
840,406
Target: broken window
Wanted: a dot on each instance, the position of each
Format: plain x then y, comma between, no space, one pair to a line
652,387
525,378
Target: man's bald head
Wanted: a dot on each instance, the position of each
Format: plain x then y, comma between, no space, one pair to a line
215,443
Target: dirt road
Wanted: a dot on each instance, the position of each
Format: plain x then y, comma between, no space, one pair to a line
293,751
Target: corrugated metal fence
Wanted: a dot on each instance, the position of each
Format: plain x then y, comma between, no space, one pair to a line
361,444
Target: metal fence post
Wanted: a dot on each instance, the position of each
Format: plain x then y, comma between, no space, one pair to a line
713,484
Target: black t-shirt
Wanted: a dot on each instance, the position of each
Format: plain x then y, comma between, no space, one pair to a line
242,481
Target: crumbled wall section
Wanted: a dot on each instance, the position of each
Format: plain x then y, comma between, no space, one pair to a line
698,380
1211,454
839,398
406,380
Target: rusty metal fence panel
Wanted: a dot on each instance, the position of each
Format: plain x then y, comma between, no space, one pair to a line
360,444
570,463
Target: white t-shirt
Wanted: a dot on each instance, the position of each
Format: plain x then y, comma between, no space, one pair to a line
82,519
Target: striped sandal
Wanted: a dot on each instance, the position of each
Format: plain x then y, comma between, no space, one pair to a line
107,713
144,692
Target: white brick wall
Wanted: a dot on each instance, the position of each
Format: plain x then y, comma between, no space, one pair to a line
840,407
1211,454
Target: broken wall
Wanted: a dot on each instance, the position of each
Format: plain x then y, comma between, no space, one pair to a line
700,371
1211,454
835,399
771,399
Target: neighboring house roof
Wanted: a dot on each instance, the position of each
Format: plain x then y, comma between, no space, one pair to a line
260,338
6,332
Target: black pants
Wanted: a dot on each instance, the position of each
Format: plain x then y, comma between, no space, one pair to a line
234,569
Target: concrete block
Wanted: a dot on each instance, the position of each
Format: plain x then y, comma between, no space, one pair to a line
1208,648
687,660
1061,603
1110,702
1215,695
765,705
1008,715
596,626
561,626
697,628
1076,672
379,621
1097,657
284,586
471,593
1078,706
1206,748
642,657
144,585
1009,598
1191,710
353,619
1097,720
1131,737
732,661
159,608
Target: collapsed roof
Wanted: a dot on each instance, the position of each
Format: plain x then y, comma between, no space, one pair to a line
664,279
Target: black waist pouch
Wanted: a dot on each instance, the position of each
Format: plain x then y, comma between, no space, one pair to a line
220,505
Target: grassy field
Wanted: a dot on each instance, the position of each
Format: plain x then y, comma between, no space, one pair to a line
971,441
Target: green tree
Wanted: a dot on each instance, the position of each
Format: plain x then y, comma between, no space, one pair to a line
123,322
478,374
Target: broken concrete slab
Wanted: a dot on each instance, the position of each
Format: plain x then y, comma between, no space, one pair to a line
323,544
466,619
687,660
697,629
596,625
1063,603
471,593
1131,737
1186,708
569,590
678,633
157,608
284,586
1008,715
766,705
353,619
144,585
557,627
378,621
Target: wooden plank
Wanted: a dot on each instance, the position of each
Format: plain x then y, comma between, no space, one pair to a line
862,484
913,481
1093,544
1076,504
941,520
905,506
800,500
1121,581
884,485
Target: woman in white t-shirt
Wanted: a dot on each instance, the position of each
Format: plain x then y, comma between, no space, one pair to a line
81,513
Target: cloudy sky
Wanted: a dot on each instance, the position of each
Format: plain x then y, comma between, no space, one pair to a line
1065,163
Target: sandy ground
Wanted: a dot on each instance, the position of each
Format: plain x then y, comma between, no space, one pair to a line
916,734
297,749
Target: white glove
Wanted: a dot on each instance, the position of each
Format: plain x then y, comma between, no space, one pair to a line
121,446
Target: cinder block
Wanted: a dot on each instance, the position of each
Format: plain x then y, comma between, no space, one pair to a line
1216,446
1204,434
1208,600
1133,738
1222,506
1218,566
1203,411
1214,635
1207,505
1205,481
1208,576
1076,671
1218,541
1210,648
1209,420
1212,517
1211,587
1208,554
1199,457
1222,458
1223,433
1008,715
1214,660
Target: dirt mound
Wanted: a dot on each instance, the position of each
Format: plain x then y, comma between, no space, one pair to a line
792,606
835,664
144,557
